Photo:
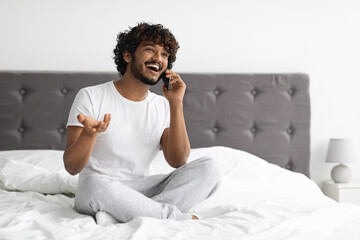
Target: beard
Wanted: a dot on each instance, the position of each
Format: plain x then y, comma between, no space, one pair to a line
138,74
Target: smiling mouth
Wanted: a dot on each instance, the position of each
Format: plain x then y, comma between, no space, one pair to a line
153,66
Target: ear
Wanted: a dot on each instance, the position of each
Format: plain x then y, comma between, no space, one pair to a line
127,56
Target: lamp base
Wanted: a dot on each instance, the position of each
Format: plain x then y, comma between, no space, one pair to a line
341,174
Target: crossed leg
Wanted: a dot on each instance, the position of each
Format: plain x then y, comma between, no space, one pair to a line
160,196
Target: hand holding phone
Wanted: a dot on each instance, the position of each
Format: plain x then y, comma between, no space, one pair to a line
175,86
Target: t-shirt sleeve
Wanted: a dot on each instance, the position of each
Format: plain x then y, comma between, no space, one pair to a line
167,114
82,104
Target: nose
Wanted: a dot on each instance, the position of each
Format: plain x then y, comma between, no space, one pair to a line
157,55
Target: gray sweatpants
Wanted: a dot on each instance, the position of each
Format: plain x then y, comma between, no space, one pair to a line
167,196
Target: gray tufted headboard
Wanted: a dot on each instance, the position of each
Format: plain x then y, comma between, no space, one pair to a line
265,114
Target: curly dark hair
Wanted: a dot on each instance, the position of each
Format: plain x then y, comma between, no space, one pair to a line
130,39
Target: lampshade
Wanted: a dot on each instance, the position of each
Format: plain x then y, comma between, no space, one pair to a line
342,151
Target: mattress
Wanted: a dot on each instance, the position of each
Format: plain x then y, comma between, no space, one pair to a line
256,200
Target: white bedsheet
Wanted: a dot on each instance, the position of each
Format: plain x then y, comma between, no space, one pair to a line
256,200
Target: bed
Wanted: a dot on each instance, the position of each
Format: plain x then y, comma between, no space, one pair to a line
256,125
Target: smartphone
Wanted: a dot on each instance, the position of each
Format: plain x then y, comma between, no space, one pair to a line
165,80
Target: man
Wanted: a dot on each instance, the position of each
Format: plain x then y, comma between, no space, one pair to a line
115,130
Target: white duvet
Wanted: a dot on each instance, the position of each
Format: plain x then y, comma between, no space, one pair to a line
256,200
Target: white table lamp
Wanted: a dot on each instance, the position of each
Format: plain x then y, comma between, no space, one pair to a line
341,151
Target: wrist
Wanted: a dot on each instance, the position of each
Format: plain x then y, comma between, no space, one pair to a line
88,134
174,103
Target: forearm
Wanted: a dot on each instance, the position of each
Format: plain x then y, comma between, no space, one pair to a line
178,144
78,154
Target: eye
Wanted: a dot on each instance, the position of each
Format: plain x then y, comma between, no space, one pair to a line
149,49
165,55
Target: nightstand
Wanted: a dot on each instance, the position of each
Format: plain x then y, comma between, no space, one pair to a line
343,192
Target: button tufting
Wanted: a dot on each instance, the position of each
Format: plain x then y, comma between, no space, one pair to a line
290,91
253,129
64,91
253,92
289,130
22,91
288,166
215,129
216,92
21,129
61,130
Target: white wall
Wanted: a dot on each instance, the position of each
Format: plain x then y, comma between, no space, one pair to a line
318,37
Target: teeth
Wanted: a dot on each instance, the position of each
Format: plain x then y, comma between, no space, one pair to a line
156,67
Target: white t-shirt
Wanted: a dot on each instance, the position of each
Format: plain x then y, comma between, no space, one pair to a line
126,149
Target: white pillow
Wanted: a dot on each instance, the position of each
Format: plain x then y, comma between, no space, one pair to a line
248,178
234,163
36,170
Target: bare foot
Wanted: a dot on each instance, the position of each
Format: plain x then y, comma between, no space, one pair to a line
193,217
